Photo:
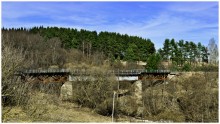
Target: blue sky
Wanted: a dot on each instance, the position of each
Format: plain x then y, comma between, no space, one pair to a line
191,21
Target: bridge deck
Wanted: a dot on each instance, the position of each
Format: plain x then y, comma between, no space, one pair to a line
134,72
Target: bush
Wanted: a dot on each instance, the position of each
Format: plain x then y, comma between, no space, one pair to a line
173,66
207,68
14,91
105,108
190,98
128,106
94,90
186,67
170,115
199,102
40,104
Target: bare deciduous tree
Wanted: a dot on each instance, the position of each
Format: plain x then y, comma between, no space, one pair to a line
12,60
213,52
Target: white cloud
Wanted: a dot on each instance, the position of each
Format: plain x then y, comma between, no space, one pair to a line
168,26
194,21
191,6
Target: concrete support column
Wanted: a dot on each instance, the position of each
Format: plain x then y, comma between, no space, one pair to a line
66,91
138,96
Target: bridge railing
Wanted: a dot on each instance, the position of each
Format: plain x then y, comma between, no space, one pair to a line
135,71
141,71
45,70
78,71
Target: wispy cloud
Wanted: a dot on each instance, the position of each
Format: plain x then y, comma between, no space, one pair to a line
191,6
196,21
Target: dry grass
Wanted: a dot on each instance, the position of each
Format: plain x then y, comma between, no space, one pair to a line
15,114
64,112
69,112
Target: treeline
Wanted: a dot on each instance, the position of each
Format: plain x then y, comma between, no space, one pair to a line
111,44
183,51
57,46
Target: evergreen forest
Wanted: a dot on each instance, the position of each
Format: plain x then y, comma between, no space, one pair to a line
112,46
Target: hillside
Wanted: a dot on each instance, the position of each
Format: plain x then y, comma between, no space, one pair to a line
188,97
63,112
112,44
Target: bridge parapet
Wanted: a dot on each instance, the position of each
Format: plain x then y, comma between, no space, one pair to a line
45,71
134,72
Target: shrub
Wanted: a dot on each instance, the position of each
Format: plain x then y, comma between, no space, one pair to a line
40,104
207,68
199,102
186,67
95,89
170,115
173,66
14,91
105,108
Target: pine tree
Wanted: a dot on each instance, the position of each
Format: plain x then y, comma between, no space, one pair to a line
153,61
166,49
